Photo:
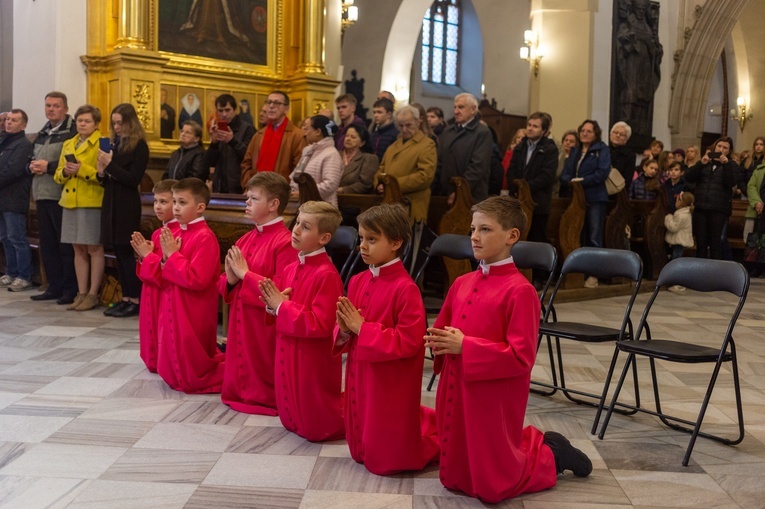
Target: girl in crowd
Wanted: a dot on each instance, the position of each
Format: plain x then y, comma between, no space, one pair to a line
81,200
320,159
120,171
644,186
436,120
692,155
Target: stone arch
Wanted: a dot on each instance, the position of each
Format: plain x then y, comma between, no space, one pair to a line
401,46
686,109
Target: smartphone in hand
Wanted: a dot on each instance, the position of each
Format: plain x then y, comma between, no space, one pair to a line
105,144
70,158
715,155
223,126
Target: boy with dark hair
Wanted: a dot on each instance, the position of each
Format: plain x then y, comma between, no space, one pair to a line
229,138
346,114
384,131
248,384
308,377
485,343
149,270
380,325
188,359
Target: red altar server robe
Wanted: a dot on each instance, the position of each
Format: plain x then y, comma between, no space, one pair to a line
308,376
149,271
386,428
189,359
248,383
482,394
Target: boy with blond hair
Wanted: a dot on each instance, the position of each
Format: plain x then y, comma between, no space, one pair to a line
188,359
485,343
149,270
380,325
248,384
308,377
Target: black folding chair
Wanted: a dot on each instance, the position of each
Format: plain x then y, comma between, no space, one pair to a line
701,275
539,256
600,263
457,247
345,239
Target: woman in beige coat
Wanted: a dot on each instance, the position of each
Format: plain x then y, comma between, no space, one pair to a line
412,160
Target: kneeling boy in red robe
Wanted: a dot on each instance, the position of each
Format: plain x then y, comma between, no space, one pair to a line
308,377
248,384
380,325
188,359
485,342
149,270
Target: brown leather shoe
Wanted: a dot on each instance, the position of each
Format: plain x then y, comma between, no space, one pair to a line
87,303
76,302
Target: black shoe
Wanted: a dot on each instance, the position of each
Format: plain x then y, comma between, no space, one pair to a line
118,307
757,270
567,457
44,296
130,310
66,299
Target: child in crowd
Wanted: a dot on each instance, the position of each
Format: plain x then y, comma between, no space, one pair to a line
380,325
149,270
188,358
680,229
248,384
308,377
674,185
643,187
485,342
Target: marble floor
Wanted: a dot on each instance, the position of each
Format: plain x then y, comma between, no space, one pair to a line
84,425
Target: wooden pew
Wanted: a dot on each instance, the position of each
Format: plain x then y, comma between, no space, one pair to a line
570,231
527,203
457,220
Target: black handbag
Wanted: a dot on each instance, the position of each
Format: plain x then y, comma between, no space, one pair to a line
755,243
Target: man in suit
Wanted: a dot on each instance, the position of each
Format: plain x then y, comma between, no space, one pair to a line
464,151
535,160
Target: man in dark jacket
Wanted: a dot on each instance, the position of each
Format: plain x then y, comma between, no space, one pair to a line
57,258
15,185
535,160
464,151
228,146
384,131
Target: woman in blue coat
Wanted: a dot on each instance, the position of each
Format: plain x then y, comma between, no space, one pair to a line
589,163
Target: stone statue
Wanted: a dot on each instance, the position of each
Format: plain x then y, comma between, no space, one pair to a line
636,72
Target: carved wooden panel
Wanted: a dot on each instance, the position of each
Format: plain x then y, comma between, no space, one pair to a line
570,231
457,220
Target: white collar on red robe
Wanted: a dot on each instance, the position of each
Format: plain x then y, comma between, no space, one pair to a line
273,221
485,268
185,226
376,270
302,256
166,223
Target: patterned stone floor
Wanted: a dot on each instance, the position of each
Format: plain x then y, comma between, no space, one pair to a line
84,425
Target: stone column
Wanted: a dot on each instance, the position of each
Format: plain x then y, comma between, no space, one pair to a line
565,33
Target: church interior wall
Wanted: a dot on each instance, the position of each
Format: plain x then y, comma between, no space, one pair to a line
48,39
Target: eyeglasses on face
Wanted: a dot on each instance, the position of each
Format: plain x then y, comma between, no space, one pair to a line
274,103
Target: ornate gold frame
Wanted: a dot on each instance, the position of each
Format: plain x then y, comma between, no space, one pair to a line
123,63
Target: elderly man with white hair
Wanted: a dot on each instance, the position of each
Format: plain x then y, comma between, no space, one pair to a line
622,158
412,160
464,151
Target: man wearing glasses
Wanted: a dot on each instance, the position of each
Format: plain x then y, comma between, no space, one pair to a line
277,146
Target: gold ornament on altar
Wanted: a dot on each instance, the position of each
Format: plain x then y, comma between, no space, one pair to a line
142,99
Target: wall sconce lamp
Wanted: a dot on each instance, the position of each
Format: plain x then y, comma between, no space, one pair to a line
350,15
741,113
530,51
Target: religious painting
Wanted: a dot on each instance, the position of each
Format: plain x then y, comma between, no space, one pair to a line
168,110
191,106
249,107
235,30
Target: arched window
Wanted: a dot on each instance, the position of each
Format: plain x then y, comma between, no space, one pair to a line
441,42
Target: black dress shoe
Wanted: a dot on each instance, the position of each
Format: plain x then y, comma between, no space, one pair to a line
130,310
118,307
45,296
66,299
567,457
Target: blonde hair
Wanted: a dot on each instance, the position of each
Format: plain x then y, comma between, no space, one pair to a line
164,186
329,218
687,199
505,209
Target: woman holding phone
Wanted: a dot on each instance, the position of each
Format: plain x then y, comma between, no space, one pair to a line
120,171
714,176
81,200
